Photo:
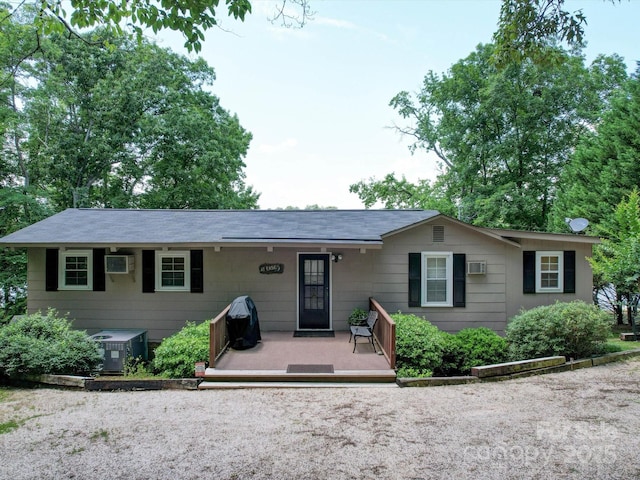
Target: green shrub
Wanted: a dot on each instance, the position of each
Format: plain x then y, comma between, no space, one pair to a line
452,356
419,346
46,344
480,346
358,317
573,329
177,355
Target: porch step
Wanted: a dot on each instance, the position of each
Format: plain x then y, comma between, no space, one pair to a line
239,385
262,376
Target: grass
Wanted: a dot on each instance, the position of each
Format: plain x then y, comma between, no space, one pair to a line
617,345
4,394
100,434
6,427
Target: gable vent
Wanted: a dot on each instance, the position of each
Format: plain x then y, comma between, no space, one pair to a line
438,233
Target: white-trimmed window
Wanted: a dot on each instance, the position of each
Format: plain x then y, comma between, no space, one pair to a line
173,271
437,279
549,270
75,270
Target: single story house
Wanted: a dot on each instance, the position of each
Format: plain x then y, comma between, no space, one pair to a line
305,269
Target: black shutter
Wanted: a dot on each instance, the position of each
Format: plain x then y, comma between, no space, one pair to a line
99,282
415,279
529,272
148,271
569,271
51,270
197,277
459,279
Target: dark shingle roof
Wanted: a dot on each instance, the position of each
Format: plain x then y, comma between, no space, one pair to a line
153,227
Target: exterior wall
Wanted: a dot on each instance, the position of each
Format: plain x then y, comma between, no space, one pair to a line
491,299
485,294
516,300
228,274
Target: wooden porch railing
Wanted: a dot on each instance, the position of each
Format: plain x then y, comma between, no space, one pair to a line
218,338
385,332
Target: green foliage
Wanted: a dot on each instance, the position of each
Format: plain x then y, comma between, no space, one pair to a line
616,259
480,346
474,118
357,317
400,193
606,158
573,329
422,350
177,355
137,368
189,17
419,346
526,27
46,344
127,125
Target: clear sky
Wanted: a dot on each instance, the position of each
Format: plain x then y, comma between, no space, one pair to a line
317,99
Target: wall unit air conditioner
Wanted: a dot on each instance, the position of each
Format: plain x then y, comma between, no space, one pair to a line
476,268
118,263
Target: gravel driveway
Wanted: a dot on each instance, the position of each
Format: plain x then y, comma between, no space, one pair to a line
583,424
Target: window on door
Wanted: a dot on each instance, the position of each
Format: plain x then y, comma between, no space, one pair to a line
314,284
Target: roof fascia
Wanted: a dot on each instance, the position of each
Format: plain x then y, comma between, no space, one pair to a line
377,245
555,237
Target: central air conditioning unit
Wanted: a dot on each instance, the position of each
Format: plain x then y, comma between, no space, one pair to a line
118,264
116,346
476,268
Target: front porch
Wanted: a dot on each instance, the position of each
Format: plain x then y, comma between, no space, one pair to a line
281,357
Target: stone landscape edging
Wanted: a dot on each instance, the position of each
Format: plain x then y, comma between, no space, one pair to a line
525,368
520,369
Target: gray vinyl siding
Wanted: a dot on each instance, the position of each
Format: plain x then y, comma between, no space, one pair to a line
485,294
227,274
584,279
491,299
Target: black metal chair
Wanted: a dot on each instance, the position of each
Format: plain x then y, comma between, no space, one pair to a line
364,331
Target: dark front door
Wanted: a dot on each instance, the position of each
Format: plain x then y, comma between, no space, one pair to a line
313,292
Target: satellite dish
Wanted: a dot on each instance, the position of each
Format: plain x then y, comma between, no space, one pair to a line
577,225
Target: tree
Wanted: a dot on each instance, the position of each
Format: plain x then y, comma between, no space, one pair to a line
20,204
604,168
525,28
400,193
189,17
504,135
132,125
615,260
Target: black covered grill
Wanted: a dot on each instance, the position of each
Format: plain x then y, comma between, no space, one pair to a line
242,324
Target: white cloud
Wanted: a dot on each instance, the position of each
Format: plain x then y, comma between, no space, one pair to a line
285,145
347,25
334,22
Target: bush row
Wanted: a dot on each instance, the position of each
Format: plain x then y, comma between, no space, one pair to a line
573,329
45,343
423,350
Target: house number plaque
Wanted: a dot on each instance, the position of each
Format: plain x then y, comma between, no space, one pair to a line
269,268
